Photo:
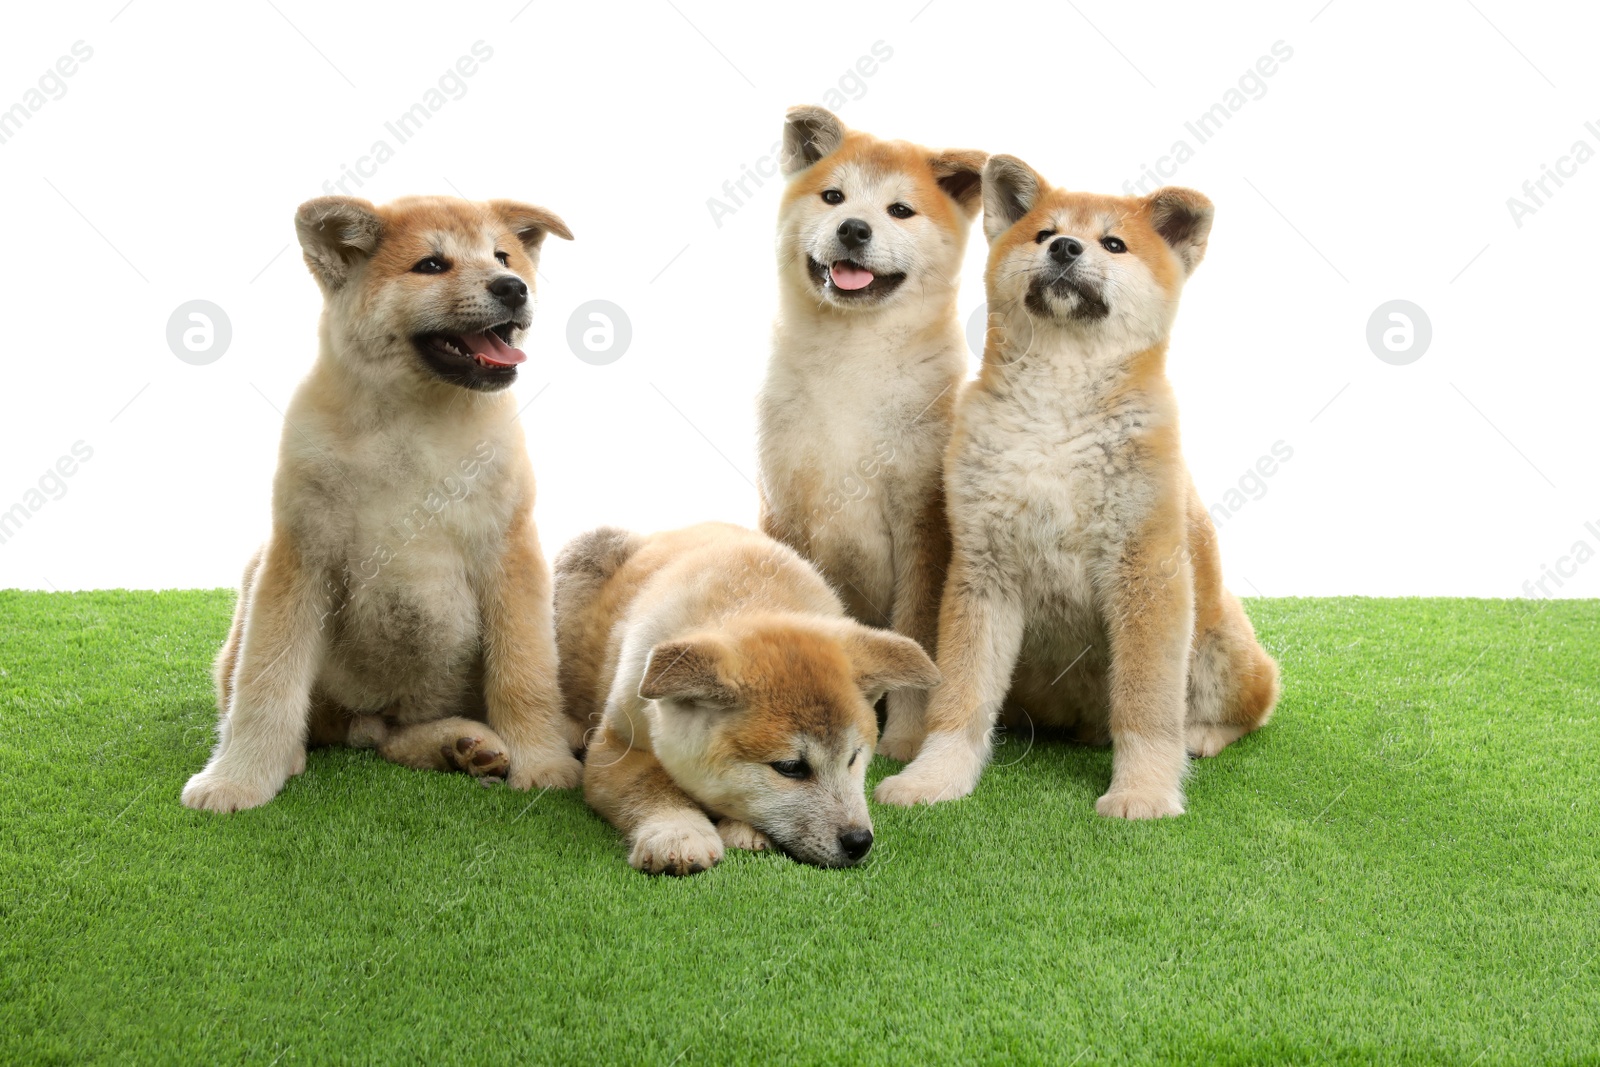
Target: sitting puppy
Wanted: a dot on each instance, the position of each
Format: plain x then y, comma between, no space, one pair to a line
401,601
1084,578
867,358
728,697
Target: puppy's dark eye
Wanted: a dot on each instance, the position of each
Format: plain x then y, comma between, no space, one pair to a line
1043,236
901,211
832,196
505,260
793,768
1113,244
853,756
431,265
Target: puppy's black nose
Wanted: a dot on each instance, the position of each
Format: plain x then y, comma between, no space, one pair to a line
1065,249
855,843
511,290
853,233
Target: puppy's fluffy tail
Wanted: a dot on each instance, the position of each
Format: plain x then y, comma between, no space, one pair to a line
585,563
581,570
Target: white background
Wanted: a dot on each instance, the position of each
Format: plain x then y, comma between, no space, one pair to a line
1376,166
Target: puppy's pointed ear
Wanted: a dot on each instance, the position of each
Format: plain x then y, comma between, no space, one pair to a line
337,233
529,223
692,669
884,660
809,133
1183,219
959,172
1010,189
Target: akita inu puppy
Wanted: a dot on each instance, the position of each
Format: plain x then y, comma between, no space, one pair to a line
867,358
728,696
1084,578
401,601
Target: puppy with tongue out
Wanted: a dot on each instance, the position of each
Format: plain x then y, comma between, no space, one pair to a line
487,349
868,355
849,277
401,601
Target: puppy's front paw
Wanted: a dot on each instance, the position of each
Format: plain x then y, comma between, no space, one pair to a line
677,845
908,790
211,791
736,834
558,770
1139,804
946,769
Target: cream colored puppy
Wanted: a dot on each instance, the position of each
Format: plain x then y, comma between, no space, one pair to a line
728,698
1085,584
401,601
866,359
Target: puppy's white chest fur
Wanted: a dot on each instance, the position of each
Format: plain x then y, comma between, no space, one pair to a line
419,511
1049,473
844,406
851,441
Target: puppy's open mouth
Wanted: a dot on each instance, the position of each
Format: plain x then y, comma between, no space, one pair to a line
848,280
488,348
482,360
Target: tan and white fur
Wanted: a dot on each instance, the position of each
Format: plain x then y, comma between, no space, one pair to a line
728,698
1085,588
401,601
855,411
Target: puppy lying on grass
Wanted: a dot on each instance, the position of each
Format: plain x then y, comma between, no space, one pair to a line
729,698
401,601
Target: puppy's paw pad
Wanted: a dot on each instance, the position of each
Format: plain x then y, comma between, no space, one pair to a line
736,834
676,847
212,792
479,756
561,771
1207,739
1148,804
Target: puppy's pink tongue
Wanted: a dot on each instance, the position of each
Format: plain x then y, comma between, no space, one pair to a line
488,345
850,276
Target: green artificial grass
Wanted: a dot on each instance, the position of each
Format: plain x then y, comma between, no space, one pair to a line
1403,867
